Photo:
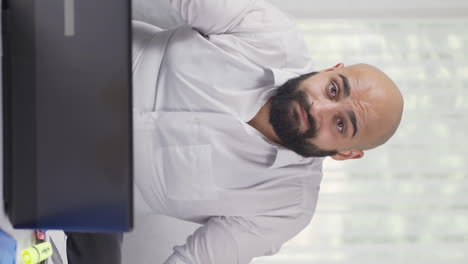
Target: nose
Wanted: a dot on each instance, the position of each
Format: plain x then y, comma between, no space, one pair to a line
322,111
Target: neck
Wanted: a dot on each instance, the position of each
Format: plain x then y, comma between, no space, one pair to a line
262,124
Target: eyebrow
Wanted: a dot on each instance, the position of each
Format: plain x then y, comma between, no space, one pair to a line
352,117
346,87
347,92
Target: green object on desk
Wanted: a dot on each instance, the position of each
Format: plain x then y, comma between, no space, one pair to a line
37,253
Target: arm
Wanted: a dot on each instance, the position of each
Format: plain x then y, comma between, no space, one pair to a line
156,12
236,240
254,28
213,16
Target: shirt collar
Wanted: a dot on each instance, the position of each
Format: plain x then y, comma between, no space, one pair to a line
286,157
283,156
281,76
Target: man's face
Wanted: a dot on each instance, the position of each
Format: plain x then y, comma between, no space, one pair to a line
328,112
291,119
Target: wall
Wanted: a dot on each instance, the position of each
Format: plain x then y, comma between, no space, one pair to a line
374,9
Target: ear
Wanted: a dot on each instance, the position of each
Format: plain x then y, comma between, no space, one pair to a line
338,66
349,154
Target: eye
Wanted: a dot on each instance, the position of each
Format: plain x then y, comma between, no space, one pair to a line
333,90
340,125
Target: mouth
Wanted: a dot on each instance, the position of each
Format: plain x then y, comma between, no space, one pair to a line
304,121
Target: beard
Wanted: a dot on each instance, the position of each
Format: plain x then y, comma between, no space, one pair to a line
285,120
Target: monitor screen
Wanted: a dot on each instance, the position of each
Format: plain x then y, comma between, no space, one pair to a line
67,123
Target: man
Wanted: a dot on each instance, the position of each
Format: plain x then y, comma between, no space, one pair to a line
231,124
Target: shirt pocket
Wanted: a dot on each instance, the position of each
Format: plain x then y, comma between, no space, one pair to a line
187,172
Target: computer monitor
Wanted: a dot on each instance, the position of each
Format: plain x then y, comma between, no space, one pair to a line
67,122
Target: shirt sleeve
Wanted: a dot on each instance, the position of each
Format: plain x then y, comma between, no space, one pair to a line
255,29
225,16
156,12
237,240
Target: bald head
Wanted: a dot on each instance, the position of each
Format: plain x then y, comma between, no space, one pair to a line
384,98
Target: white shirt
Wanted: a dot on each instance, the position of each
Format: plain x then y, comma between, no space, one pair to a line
195,157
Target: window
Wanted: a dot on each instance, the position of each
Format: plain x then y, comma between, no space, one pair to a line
407,201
